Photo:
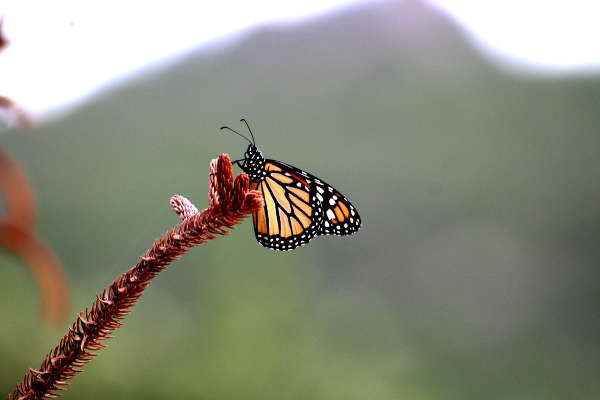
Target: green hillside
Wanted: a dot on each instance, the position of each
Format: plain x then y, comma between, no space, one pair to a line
475,274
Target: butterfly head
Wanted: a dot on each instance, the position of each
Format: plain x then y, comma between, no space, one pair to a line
253,162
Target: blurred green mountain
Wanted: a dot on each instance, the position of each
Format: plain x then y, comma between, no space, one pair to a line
475,274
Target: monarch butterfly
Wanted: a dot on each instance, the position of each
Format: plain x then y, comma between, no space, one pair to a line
298,206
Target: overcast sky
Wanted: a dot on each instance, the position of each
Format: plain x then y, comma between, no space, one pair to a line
64,50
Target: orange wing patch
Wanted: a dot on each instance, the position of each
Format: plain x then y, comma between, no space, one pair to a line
296,227
306,221
284,220
279,193
344,209
271,167
259,217
302,194
303,206
282,178
338,214
287,211
260,221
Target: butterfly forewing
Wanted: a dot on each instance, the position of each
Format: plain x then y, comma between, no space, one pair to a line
340,216
289,216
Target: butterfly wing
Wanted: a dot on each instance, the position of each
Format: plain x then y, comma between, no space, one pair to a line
299,206
339,215
291,214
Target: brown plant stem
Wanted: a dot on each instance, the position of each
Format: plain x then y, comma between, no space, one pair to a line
44,265
18,193
20,117
17,115
18,235
17,228
3,40
229,203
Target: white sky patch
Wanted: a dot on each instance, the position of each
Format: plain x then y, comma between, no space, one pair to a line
547,36
63,50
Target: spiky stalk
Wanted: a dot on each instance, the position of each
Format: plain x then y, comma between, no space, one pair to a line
229,203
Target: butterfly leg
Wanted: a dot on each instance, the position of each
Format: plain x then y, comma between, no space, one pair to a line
237,162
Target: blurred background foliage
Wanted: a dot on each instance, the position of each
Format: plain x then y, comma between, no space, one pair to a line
475,275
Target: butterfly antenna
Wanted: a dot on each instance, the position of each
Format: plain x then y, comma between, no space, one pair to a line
249,130
237,133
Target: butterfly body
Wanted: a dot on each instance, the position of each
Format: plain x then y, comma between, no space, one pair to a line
298,205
